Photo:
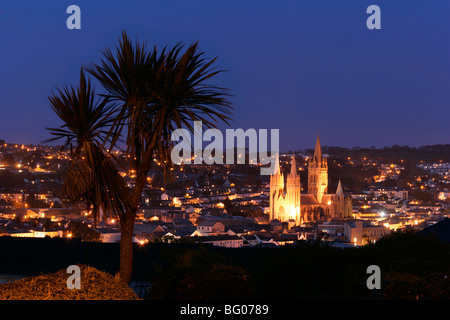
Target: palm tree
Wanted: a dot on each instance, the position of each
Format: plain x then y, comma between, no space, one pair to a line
148,95
155,93
86,124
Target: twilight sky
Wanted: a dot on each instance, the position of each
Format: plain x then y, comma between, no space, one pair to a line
301,66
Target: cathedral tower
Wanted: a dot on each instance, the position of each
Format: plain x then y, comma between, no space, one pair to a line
285,197
318,173
293,191
288,204
276,189
340,199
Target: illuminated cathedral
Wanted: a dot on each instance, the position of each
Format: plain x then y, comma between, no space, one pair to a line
288,204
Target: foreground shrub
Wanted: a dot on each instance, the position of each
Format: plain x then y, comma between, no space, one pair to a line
198,274
407,286
95,285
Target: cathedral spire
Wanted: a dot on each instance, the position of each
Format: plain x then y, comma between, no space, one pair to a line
339,191
293,166
277,164
318,150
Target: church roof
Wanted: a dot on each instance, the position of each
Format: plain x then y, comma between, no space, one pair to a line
308,199
327,197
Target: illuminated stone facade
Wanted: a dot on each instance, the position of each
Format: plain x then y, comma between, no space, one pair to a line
288,204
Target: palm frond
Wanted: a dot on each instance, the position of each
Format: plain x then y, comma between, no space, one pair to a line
86,124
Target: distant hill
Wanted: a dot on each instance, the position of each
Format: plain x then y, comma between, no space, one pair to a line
440,229
428,153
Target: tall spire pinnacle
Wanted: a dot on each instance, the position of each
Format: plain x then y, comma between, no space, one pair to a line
318,149
339,191
277,164
293,166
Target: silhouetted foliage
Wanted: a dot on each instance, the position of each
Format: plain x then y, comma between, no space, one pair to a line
95,285
412,266
148,94
199,274
81,230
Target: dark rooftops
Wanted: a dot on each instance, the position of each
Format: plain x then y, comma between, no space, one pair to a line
208,223
107,230
220,237
380,188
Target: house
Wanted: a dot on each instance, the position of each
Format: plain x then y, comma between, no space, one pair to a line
21,233
187,231
193,217
444,195
109,235
179,223
334,230
12,197
47,233
226,241
276,226
148,231
4,205
27,233
253,240
165,197
237,229
287,238
161,212
262,219
390,192
9,215
192,208
169,237
207,227
61,213
33,214
360,232
171,214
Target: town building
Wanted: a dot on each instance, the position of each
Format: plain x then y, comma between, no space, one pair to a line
361,232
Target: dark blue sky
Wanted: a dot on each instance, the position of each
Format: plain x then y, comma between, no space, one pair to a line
302,66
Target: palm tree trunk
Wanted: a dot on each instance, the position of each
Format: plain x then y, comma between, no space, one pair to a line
94,214
126,248
127,223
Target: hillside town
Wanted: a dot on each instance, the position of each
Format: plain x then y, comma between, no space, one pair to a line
225,205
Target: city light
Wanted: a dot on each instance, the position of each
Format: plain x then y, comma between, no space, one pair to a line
143,242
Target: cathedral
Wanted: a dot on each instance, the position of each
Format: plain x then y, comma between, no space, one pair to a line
288,204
